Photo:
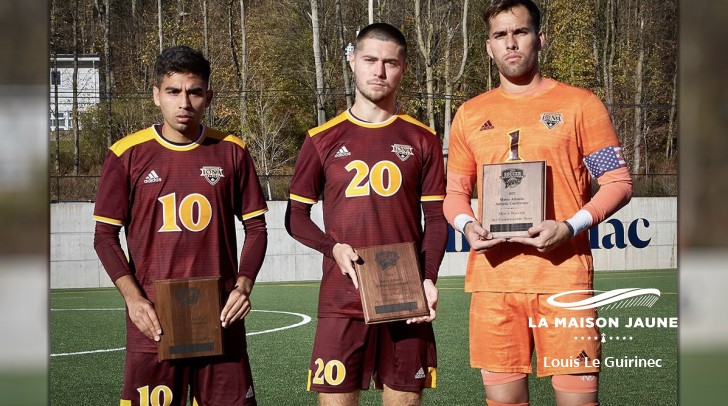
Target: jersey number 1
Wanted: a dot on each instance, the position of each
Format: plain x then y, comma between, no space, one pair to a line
515,137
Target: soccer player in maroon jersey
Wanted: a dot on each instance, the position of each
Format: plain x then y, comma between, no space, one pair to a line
177,188
378,171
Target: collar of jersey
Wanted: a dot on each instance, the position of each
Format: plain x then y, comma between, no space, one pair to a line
179,147
543,87
368,124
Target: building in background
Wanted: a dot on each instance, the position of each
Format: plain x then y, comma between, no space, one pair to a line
61,89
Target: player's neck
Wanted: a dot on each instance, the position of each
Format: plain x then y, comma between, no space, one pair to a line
521,85
189,136
373,112
170,134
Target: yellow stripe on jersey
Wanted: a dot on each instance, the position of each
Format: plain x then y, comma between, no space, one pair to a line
209,132
431,378
434,198
302,199
129,141
254,214
325,126
235,140
366,124
107,220
124,402
412,120
182,148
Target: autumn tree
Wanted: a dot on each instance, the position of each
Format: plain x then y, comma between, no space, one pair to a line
263,51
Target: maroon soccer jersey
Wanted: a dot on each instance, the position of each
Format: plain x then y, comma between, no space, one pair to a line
372,179
178,204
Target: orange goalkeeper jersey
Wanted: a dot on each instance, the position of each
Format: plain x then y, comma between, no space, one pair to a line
571,130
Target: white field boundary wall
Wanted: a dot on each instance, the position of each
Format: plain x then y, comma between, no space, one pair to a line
643,235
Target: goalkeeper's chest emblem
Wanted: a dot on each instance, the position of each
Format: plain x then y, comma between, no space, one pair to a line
212,174
402,151
551,120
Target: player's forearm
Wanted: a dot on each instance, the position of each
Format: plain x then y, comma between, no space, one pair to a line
457,199
108,248
434,240
244,283
129,288
615,191
254,247
300,226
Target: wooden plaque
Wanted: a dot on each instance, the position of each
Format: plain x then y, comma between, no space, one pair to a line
189,311
514,197
390,283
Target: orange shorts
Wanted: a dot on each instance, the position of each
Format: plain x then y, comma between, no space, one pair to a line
506,327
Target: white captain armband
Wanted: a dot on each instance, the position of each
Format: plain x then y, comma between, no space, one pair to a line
461,220
579,222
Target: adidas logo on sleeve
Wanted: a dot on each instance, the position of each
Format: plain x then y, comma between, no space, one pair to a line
487,126
152,177
342,152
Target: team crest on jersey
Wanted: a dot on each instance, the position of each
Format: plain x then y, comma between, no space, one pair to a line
402,151
512,177
212,174
386,259
187,296
551,120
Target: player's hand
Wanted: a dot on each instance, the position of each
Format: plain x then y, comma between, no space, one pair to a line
144,317
345,257
432,295
480,239
238,303
545,236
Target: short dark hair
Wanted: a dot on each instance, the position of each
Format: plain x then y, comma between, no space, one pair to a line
499,6
382,32
181,59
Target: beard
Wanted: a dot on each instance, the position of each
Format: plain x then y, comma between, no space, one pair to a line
374,96
525,69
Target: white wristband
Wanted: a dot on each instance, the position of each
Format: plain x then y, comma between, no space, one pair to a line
580,221
461,220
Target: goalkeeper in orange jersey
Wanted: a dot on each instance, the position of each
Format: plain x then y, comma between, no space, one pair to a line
533,118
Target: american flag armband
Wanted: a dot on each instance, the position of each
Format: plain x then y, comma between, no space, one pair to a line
604,160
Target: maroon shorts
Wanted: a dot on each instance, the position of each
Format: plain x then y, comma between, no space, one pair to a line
212,380
348,353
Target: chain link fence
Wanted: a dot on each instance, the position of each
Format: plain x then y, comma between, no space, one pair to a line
275,187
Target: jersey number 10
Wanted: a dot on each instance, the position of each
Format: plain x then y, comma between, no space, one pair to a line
160,396
191,219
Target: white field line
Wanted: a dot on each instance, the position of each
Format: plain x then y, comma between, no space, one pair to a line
305,319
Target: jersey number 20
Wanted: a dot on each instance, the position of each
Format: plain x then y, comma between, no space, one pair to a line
332,372
384,178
